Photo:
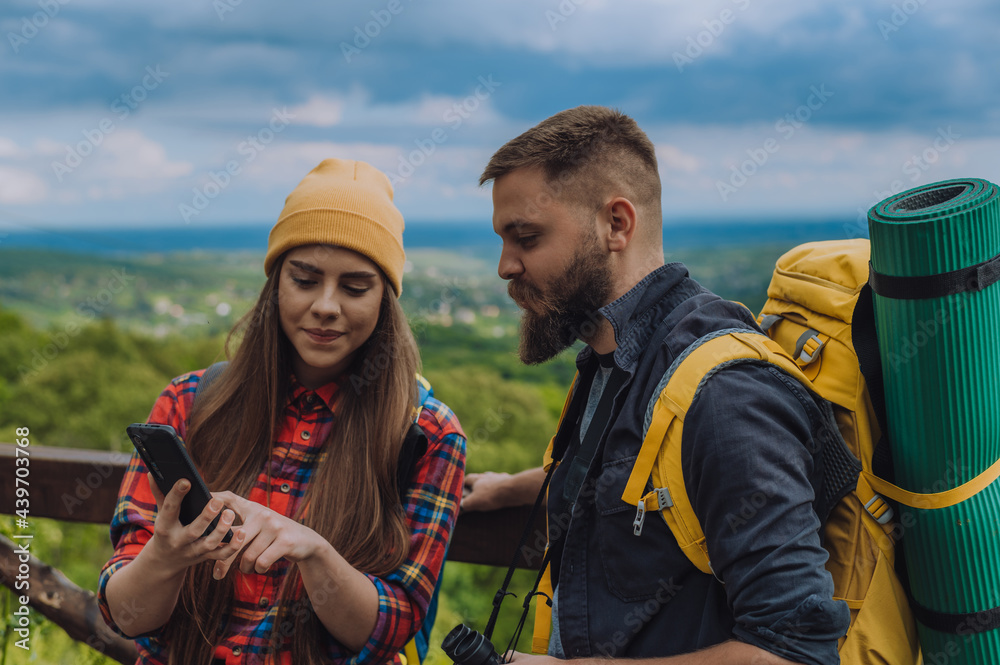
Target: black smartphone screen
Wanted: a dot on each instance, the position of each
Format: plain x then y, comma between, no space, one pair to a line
165,456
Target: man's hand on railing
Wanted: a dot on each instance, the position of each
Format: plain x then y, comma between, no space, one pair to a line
492,491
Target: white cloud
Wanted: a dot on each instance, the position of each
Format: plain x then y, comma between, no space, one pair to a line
672,158
284,164
355,109
129,155
8,148
21,187
319,112
125,163
46,147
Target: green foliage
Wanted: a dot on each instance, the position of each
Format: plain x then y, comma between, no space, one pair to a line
507,423
82,401
470,349
17,341
176,355
741,274
80,389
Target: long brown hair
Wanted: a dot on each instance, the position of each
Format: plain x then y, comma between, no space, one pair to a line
231,433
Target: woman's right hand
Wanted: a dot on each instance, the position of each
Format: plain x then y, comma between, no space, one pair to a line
142,595
176,546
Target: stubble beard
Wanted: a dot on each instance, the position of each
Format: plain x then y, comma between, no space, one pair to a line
568,309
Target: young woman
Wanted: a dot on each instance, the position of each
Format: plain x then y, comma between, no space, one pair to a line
299,439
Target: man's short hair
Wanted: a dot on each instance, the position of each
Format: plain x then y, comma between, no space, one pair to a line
586,152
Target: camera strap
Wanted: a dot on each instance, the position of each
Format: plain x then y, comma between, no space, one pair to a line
558,450
527,604
502,591
583,460
584,450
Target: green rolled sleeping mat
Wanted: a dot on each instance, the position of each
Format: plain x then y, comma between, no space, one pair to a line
935,263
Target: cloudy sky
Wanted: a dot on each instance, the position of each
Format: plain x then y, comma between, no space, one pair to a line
208,112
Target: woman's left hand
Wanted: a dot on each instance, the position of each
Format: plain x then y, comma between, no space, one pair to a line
269,536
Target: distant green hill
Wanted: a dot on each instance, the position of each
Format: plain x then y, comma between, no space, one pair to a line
203,293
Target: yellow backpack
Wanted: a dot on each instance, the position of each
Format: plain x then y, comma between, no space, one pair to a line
808,317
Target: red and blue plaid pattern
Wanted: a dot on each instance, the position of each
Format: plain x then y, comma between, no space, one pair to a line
431,505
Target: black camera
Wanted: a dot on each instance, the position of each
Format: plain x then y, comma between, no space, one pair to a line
466,646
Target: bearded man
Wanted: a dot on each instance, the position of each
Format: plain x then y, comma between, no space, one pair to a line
577,205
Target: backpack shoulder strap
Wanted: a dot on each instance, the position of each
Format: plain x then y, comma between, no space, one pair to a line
543,611
424,392
415,443
661,446
213,372
413,448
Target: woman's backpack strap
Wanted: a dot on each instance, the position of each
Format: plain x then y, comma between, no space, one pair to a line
413,448
213,372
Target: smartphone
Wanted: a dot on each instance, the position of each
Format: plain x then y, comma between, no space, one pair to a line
167,459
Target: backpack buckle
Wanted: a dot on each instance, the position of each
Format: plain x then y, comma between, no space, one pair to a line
660,497
640,517
879,509
808,346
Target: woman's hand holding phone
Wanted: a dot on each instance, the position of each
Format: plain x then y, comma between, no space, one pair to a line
179,546
153,579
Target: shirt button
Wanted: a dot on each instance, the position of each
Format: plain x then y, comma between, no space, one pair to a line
263,602
237,651
305,435
310,399
285,487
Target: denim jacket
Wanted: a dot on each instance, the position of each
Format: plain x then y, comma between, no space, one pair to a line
750,458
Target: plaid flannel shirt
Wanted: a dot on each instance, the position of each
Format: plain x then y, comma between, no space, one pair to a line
431,506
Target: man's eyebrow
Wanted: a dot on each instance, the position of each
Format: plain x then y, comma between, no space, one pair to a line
358,274
519,225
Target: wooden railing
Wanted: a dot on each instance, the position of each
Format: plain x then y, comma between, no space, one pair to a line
82,486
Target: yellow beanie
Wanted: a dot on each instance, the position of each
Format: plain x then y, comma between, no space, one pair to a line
343,203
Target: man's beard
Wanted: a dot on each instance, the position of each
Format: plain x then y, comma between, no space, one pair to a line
566,310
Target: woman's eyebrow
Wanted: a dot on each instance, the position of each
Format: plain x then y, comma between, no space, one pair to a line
308,267
355,274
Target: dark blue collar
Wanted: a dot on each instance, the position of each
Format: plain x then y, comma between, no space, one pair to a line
636,315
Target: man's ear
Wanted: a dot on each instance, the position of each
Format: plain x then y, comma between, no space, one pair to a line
620,216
